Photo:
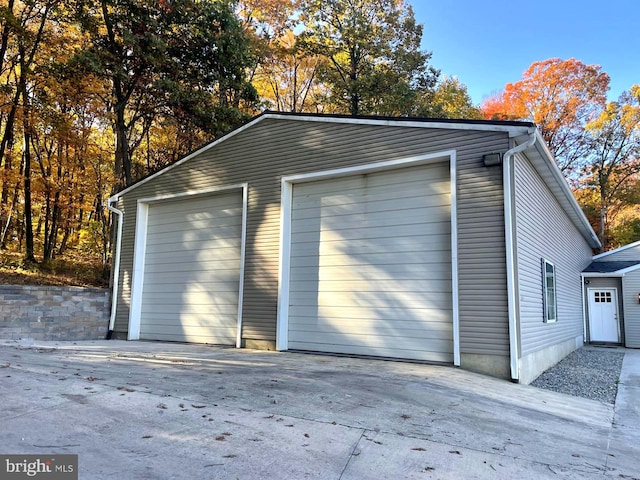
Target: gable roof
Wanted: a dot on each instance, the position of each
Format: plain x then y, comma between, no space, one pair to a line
619,267
514,128
621,249
538,154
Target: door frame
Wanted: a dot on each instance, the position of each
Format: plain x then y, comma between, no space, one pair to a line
140,243
287,182
617,310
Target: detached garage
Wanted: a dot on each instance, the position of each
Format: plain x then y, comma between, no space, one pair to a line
389,237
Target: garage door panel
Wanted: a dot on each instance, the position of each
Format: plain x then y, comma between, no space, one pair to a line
226,205
165,220
399,258
409,217
341,205
438,351
370,265
221,280
401,317
372,299
368,272
192,269
417,234
179,265
391,181
189,232
417,246
410,289
196,336
388,335
164,312
189,241
227,250
203,290
192,323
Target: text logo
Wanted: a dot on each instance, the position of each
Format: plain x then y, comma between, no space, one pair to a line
42,467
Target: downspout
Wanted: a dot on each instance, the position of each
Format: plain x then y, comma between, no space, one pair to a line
116,269
509,222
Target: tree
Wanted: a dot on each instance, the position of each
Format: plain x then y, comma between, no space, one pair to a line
287,79
374,64
561,97
614,159
24,31
185,58
450,99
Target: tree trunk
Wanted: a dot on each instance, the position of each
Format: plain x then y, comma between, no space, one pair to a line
123,159
29,254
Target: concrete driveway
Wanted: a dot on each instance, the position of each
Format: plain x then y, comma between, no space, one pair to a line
138,410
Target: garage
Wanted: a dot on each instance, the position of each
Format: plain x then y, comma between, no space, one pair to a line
192,258
370,264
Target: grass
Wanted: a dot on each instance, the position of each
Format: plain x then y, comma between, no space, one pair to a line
72,269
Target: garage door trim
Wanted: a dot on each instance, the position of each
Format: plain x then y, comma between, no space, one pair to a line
139,253
287,184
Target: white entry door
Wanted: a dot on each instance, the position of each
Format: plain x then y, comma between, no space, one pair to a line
603,315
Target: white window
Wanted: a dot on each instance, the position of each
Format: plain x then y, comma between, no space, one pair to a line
549,291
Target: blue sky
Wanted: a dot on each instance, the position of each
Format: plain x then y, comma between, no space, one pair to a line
487,44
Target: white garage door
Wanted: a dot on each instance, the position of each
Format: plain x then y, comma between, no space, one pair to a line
370,266
192,270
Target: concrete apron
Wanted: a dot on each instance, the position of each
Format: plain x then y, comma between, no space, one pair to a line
157,410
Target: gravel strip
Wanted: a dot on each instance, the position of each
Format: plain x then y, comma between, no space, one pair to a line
589,372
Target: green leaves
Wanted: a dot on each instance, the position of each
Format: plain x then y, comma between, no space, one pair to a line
374,62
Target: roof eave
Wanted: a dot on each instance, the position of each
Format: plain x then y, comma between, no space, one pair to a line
565,195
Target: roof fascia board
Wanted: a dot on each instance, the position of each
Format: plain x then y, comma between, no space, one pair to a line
620,249
601,274
513,130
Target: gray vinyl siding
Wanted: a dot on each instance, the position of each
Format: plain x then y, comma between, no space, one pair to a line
628,254
631,286
270,149
543,230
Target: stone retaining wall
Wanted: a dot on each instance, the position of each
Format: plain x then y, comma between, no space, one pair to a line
53,313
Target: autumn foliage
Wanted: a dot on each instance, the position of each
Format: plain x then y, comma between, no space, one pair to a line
560,97
96,94
595,143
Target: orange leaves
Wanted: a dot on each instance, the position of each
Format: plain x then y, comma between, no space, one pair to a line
561,97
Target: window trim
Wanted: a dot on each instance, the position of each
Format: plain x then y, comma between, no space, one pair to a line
545,293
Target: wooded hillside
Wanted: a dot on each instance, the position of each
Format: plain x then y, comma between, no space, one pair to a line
96,94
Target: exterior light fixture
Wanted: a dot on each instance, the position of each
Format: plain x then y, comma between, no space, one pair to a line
492,159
